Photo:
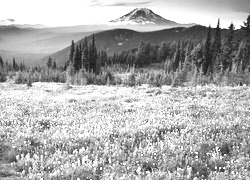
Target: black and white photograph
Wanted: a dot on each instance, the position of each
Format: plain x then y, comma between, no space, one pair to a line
125,90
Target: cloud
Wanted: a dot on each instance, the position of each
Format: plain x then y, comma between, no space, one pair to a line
130,3
98,3
223,5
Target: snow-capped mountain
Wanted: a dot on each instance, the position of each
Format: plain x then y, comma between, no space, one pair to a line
143,16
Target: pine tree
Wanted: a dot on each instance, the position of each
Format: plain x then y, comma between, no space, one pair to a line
163,53
85,58
1,61
54,66
243,55
226,57
177,57
14,65
21,66
141,57
104,58
65,66
71,54
76,59
155,50
188,50
246,27
24,67
93,55
49,62
197,55
147,51
207,59
182,52
216,48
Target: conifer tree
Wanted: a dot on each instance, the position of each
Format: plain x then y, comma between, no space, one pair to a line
207,59
14,65
141,57
163,53
246,27
49,62
72,50
76,59
24,67
85,55
216,48
226,57
21,66
147,51
85,59
65,66
154,56
54,66
1,61
243,55
103,57
93,55
177,57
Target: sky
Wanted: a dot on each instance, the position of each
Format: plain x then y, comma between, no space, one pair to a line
81,12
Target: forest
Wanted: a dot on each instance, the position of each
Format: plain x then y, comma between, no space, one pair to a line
214,60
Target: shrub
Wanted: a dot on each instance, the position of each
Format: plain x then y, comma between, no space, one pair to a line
2,77
29,82
131,81
20,78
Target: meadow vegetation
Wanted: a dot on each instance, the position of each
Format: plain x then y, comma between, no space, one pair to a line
48,131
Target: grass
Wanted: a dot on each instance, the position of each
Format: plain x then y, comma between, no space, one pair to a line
105,132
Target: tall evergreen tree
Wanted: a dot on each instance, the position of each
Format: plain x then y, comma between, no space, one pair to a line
93,55
163,53
85,55
21,66
71,53
197,55
1,61
103,57
177,57
76,59
49,62
148,53
54,66
246,27
14,65
24,67
207,59
85,59
243,55
216,48
226,57
141,57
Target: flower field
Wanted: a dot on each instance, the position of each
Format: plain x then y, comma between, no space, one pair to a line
49,131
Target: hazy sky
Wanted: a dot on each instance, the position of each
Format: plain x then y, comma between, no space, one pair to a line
79,12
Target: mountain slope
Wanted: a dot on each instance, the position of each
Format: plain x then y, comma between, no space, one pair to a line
119,39
31,44
144,16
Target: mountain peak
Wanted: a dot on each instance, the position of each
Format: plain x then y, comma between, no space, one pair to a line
143,16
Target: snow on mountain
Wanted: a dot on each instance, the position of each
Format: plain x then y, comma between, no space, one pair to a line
143,16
